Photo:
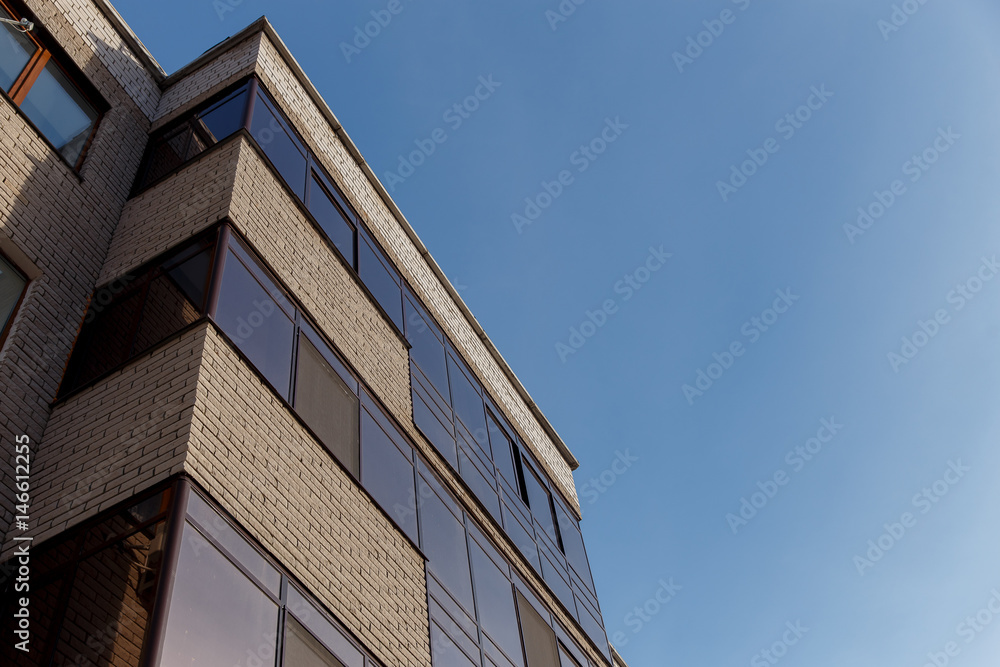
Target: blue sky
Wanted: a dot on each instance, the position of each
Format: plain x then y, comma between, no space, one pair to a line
887,95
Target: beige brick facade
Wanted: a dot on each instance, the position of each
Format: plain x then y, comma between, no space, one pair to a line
192,405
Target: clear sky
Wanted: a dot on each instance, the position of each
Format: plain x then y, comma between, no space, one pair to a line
900,118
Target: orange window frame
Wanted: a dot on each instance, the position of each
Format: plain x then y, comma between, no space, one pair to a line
33,69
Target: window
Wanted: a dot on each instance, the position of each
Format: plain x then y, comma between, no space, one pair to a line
326,403
304,650
141,309
39,82
443,540
387,473
495,602
540,502
252,314
539,639
331,217
217,614
280,146
381,278
12,284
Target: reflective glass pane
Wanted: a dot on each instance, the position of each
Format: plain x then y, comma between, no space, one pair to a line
278,145
331,220
539,502
572,541
110,603
166,311
502,452
317,623
327,405
225,117
16,49
217,616
60,111
382,281
169,152
443,541
11,286
304,650
190,276
215,524
468,403
388,475
106,340
539,640
428,349
428,421
444,651
250,317
479,483
565,659
495,602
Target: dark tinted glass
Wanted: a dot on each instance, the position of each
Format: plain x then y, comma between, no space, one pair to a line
539,640
428,349
331,220
168,153
443,541
256,324
479,483
215,524
332,637
165,312
572,542
565,659
522,536
304,650
539,502
502,452
110,603
278,145
60,111
495,604
190,275
381,280
225,117
327,405
217,616
428,421
11,286
444,651
468,403
16,48
388,475
106,341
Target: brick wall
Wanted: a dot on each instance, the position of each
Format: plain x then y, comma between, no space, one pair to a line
263,467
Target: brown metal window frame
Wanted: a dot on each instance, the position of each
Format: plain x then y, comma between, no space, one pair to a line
48,50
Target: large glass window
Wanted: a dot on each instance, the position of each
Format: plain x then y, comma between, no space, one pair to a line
12,285
326,403
304,650
331,218
253,316
388,472
539,639
280,146
443,539
37,81
140,309
495,603
217,614
381,278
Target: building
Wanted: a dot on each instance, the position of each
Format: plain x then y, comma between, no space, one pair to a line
256,424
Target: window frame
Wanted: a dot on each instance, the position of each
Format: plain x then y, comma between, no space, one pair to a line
48,50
